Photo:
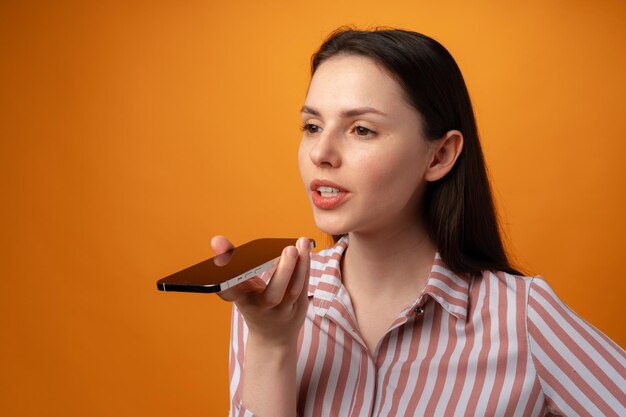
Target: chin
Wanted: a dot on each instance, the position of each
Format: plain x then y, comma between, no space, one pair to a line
331,227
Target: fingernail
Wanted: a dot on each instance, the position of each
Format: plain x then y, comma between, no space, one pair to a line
292,251
303,243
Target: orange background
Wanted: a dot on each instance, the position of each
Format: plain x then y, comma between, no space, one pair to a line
131,132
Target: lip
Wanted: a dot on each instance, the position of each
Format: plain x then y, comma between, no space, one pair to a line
327,203
325,183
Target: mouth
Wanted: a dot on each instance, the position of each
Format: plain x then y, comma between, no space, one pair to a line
328,191
327,195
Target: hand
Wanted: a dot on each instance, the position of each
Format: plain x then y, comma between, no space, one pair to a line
274,312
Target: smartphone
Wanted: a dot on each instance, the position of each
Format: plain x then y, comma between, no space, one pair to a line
228,269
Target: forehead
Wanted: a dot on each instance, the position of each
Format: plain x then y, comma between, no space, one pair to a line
354,81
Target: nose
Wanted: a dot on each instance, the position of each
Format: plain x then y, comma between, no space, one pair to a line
326,152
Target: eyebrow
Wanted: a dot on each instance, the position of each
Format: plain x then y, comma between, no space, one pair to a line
346,113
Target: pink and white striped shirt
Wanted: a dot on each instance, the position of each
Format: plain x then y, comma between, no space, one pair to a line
492,345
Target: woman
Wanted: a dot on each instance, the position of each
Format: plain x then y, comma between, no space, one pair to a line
415,310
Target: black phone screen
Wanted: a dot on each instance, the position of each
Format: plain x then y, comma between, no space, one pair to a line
228,269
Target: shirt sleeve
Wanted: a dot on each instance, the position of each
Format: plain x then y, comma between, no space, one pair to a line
238,337
581,371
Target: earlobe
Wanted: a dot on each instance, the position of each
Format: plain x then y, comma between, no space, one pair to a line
446,151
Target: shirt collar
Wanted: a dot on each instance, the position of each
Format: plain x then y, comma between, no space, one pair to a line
447,288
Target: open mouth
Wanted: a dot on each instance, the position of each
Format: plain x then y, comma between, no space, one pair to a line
328,191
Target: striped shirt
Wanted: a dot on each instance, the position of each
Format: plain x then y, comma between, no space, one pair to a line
493,344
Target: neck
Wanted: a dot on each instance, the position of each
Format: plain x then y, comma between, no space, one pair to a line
388,263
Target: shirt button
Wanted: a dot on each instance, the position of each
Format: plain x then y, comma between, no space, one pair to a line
419,310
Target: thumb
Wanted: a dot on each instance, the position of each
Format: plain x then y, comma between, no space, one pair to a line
221,244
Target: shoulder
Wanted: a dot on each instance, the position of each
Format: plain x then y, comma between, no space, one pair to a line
490,283
525,293
529,298
508,298
579,367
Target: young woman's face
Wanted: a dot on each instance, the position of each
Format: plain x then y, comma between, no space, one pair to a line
362,156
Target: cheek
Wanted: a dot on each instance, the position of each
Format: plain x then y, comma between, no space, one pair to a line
378,180
393,178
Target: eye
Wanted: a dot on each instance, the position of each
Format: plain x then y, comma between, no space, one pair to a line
310,128
362,132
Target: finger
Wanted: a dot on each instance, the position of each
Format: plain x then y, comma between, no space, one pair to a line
239,292
266,276
306,266
221,244
300,279
275,290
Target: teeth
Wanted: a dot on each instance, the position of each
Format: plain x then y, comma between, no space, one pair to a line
328,191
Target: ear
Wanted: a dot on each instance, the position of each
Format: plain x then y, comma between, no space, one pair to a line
446,150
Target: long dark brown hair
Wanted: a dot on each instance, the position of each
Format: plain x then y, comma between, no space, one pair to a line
459,212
